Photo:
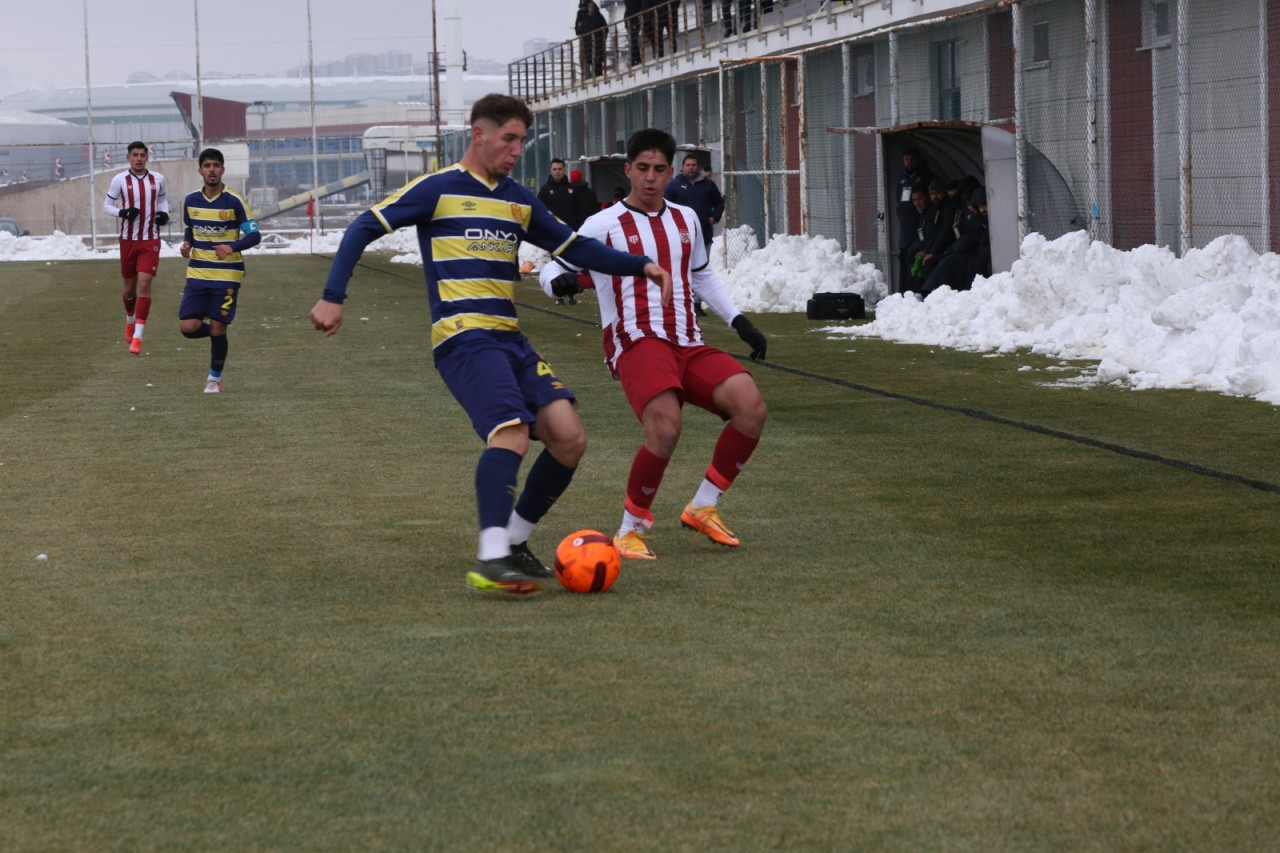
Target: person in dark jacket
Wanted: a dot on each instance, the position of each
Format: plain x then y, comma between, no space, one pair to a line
591,29
659,25
939,228
915,173
911,239
970,254
632,10
585,202
693,188
557,193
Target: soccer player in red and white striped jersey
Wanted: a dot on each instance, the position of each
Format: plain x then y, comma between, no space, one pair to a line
653,343
138,198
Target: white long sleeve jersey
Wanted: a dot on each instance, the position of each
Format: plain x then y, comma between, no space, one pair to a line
631,306
148,193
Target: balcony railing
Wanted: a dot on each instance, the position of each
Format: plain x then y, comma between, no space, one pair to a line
672,29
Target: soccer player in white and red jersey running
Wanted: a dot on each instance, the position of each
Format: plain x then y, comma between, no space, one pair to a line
138,197
654,345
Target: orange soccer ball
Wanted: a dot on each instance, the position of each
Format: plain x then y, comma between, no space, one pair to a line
586,561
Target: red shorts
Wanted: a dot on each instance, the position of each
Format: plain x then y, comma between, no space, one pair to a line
652,365
139,256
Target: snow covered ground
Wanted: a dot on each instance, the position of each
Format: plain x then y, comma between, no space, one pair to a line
1143,318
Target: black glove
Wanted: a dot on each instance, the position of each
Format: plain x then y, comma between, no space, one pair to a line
162,218
566,284
130,213
750,336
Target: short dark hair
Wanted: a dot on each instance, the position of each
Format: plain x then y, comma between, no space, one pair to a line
690,156
211,154
137,143
557,160
651,139
500,109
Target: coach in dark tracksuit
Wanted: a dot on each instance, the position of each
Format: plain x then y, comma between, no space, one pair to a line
557,194
970,254
693,188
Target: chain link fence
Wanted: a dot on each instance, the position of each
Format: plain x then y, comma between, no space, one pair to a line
1139,122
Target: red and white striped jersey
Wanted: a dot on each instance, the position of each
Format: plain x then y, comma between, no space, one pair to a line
147,193
631,306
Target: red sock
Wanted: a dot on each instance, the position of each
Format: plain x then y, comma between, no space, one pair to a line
733,449
143,309
129,302
642,485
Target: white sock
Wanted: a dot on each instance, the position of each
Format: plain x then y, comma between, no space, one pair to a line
708,494
137,331
633,522
519,529
493,543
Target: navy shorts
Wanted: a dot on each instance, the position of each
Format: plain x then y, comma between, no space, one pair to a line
500,382
215,301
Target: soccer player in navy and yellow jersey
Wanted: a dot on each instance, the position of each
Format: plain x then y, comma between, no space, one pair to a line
471,218
214,217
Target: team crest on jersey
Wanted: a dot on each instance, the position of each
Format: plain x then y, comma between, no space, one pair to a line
684,237
226,214
633,238
517,212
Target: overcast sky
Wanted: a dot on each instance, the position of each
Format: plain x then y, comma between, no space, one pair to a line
44,39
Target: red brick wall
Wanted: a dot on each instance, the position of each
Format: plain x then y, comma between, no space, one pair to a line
1132,129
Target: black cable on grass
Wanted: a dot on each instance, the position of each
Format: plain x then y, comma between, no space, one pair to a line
1180,464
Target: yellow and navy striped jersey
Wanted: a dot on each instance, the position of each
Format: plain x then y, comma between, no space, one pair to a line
469,232
210,222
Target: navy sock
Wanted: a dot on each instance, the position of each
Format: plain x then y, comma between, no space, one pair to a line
217,354
496,475
545,484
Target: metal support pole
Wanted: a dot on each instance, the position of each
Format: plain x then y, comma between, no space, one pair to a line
850,168
93,154
764,150
804,158
731,205
1184,129
1019,130
1264,90
894,111
1091,110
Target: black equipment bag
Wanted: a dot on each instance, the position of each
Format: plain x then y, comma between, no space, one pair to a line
836,306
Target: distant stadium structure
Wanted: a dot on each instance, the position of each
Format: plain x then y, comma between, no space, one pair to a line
36,147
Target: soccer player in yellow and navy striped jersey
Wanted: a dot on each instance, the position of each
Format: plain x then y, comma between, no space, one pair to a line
471,219
214,219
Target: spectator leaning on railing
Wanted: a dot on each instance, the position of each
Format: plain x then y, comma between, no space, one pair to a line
591,29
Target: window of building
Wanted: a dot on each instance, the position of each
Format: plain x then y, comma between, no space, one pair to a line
947,74
866,71
1160,19
1158,23
1040,43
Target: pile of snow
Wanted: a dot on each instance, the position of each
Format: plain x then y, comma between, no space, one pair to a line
1208,321
784,274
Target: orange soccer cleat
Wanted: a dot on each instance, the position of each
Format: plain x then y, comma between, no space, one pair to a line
707,521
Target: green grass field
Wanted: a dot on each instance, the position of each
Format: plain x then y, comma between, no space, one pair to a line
951,624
